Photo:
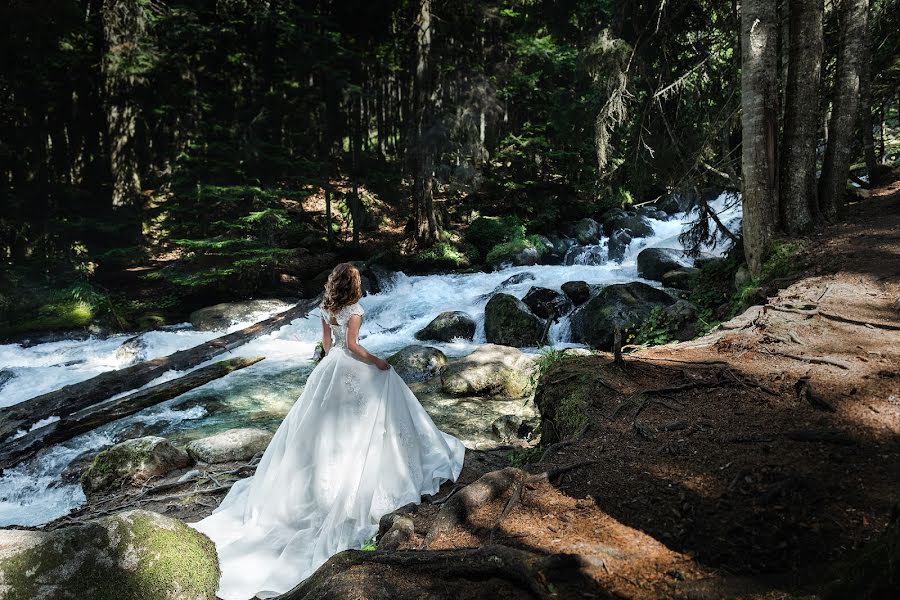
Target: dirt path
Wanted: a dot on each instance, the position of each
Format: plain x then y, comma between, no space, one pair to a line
742,464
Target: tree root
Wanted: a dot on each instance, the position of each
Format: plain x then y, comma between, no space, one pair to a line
832,317
371,575
820,360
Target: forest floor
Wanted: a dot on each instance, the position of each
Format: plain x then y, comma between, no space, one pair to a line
746,463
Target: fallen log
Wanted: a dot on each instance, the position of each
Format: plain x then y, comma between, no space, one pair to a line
77,396
87,419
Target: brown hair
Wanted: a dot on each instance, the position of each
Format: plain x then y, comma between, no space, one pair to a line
343,288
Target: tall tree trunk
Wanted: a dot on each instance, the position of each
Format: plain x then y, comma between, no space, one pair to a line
124,27
759,121
865,104
845,108
423,173
801,123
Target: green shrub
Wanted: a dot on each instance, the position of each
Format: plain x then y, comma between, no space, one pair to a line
487,232
655,330
522,456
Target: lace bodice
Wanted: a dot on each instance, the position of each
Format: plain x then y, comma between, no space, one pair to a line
339,330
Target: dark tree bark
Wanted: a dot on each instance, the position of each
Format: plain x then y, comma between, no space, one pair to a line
124,26
759,121
865,105
426,229
845,108
801,122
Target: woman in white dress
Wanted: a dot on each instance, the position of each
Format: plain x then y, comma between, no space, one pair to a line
355,446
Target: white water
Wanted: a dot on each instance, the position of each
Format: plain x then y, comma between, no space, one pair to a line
34,493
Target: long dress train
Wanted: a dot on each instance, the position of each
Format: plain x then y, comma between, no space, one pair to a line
355,446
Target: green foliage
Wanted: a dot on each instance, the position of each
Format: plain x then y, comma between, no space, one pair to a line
782,259
519,457
369,545
442,255
655,330
486,232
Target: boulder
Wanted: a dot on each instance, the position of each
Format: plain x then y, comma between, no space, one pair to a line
5,376
448,326
133,462
517,253
509,321
133,349
380,279
491,370
222,316
577,291
587,231
506,428
133,555
547,303
586,255
232,445
636,225
684,278
681,318
653,263
561,245
617,244
418,363
622,305
515,280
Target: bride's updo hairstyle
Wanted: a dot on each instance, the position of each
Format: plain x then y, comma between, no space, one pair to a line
343,288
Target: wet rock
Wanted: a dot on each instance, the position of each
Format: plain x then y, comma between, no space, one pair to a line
139,430
668,204
491,370
506,428
577,291
76,468
228,446
622,305
617,244
681,318
509,321
133,349
418,363
515,280
653,263
380,278
561,246
547,303
516,254
586,255
211,404
5,376
587,231
133,462
448,326
636,225
684,278
222,316
133,554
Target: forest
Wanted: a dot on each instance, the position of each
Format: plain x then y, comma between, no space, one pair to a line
641,258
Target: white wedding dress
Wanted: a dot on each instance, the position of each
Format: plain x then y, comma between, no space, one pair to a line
355,446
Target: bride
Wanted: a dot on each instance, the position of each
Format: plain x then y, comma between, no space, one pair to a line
355,446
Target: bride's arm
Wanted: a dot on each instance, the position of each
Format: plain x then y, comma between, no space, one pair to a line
360,352
326,336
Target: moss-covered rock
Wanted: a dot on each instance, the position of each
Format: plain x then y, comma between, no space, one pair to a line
133,462
684,278
134,555
240,444
517,253
418,363
448,326
491,370
509,321
621,305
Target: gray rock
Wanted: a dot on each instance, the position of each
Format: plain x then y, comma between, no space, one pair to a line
547,303
133,462
418,363
653,263
232,445
684,278
636,225
561,245
682,320
448,326
509,321
132,350
506,428
587,231
577,291
515,280
380,279
586,255
491,370
132,554
5,376
617,244
620,305
222,316
397,527
516,255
